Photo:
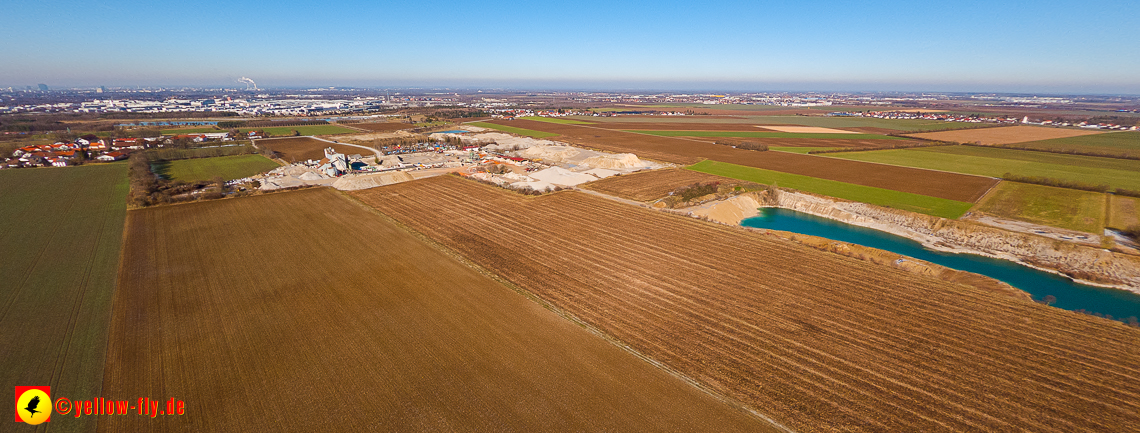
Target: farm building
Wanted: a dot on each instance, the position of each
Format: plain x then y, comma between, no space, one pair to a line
334,164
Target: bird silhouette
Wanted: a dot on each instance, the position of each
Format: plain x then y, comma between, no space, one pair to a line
32,406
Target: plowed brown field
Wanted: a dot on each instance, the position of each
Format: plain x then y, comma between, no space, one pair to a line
663,126
818,341
953,186
651,185
805,142
303,148
1004,134
304,310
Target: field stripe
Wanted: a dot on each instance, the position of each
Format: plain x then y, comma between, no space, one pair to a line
878,196
762,134
910,343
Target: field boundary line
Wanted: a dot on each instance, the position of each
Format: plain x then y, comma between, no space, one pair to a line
988,191
736,404
896,165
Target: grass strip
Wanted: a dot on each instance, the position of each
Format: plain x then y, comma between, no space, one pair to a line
928,205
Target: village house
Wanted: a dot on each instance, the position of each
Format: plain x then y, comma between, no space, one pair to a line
111,156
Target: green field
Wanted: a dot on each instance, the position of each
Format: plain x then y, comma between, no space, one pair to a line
763,134
995,162
883,197
1112,143
1055,207
61,231
275,130
556,120
513,130
228,167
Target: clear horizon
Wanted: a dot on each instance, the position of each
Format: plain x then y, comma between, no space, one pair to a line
1020,47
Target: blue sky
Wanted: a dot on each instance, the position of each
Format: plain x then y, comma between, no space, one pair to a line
885,45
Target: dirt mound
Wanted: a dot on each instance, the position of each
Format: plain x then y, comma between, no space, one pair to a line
612,161
352,183
550,154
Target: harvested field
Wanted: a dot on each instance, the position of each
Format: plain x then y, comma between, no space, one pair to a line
776,118
677,126
258,311
1056,207
659,119
818,341
808,143
556,120
994,161
873,130
651,185
1110,143
227,167
924,204
809,130
296,149
949,186
381,126
800,149
506,127
304,130
61,230
272,130
1004,134
766,134
1123,212
737,127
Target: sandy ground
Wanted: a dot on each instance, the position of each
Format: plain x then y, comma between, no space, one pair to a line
1004,134
366,149
1036,229
806,129
432,172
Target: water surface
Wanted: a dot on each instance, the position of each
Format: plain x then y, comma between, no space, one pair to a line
1070,295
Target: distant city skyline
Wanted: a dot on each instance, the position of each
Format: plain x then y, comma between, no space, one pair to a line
1011,47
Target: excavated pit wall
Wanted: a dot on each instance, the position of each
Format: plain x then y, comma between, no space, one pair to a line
1088,265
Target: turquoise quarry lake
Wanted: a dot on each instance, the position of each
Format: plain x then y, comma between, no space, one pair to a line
1070,295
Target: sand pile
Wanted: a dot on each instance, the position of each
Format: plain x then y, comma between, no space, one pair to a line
505,142
601,173
551,154
291,170
308,175
355,182
391,161
562,176
615,161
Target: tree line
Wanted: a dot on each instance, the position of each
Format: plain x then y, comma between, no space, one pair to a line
746,145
